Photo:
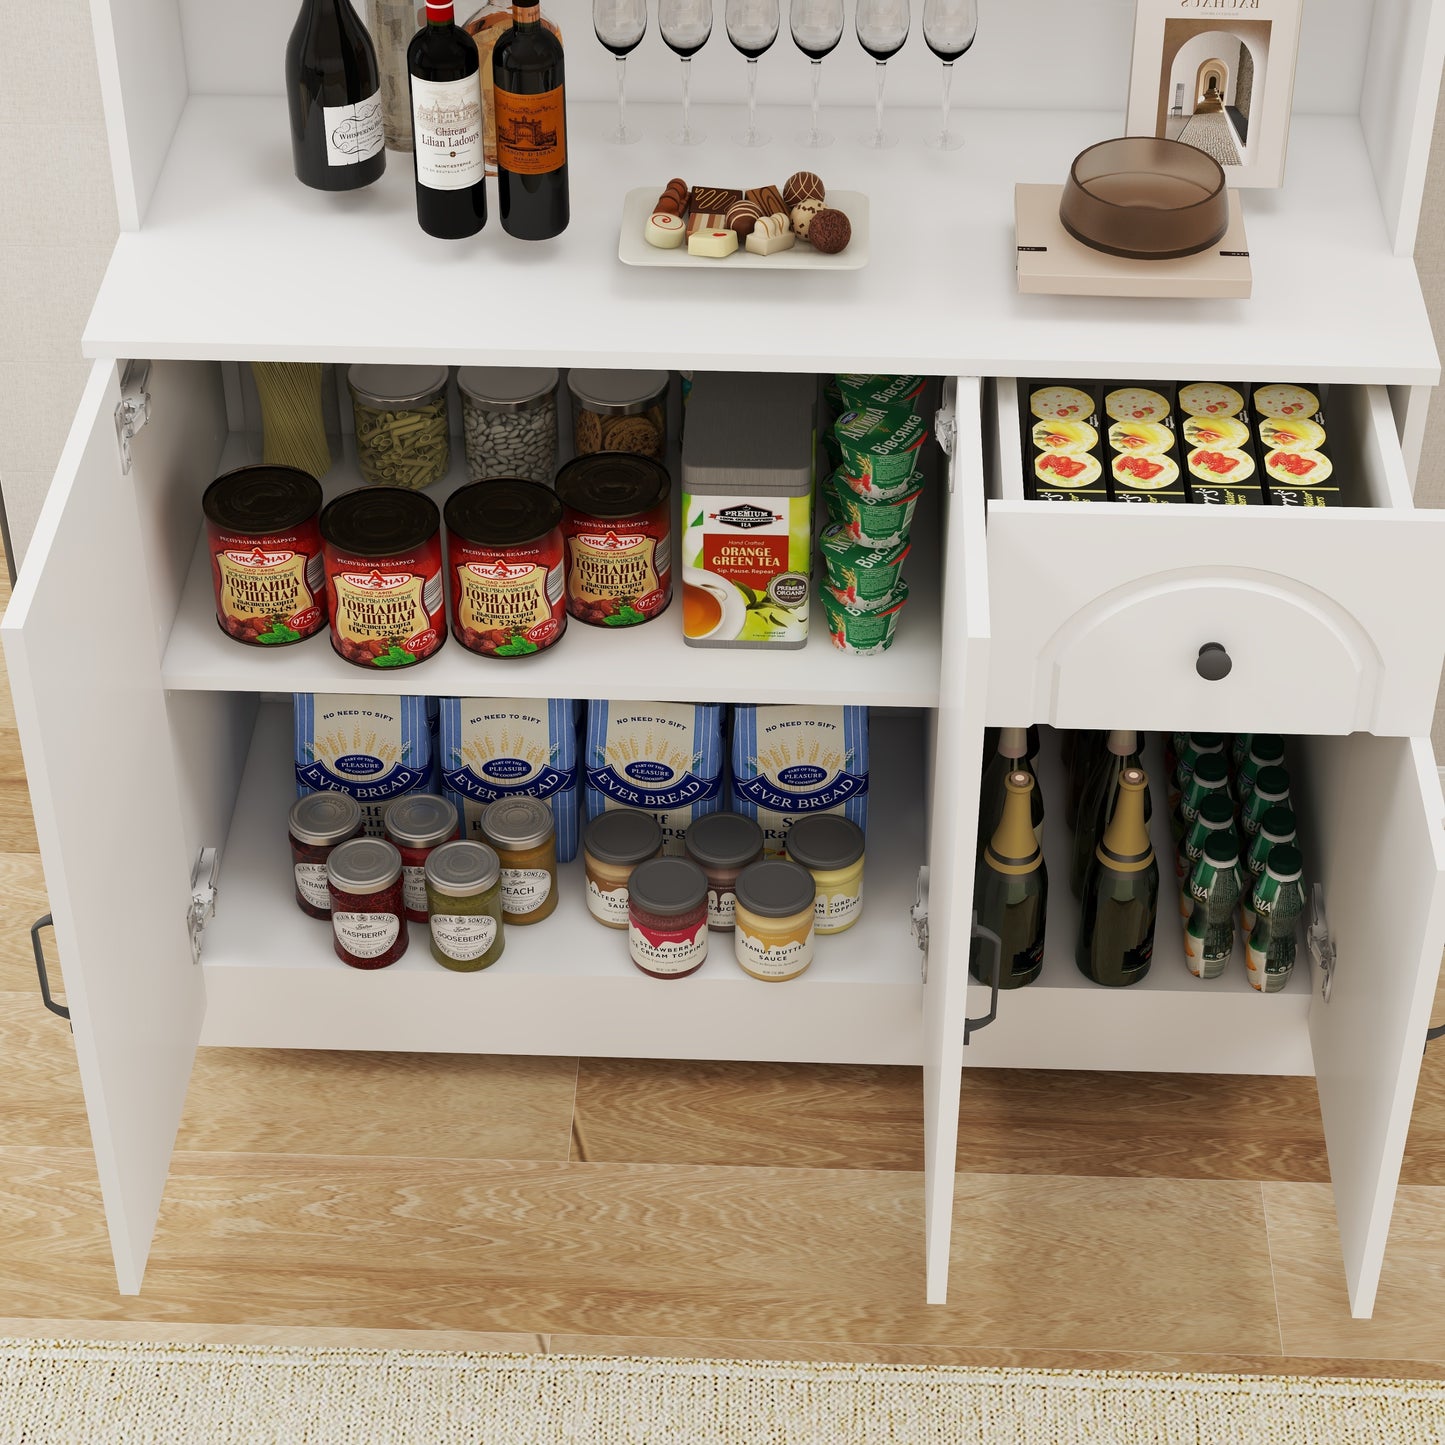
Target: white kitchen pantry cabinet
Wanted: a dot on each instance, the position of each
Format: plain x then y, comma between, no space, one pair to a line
157,749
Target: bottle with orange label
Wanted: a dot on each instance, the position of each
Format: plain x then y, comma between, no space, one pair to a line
531,118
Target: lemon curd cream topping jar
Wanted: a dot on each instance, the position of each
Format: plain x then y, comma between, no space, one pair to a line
774,916
830,847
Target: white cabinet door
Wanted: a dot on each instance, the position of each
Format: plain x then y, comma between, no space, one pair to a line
957,746
83,639
1374,822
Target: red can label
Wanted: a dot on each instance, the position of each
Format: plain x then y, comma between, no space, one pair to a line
619,571
270,591
389,612
507,601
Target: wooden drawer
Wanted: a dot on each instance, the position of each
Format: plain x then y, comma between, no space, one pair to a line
1333,618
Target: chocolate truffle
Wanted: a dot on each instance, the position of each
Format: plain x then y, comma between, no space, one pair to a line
742,216
830,232
804,214
802,186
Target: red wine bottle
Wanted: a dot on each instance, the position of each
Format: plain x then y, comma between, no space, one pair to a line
334,92
446,116
530,100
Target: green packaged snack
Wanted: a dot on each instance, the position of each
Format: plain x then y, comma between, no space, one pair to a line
861,577
861,392
880,442
854,630
874,524
872,489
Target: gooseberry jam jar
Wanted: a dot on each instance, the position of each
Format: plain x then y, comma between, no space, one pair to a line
464,898
317,823
667,917
368,917
417,823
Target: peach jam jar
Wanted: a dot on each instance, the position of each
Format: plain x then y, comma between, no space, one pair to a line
614,843
523,831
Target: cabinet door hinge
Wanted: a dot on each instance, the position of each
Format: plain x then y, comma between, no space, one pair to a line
918,917
1321,945
203,898
133,410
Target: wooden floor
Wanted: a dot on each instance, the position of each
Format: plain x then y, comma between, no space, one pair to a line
758,1210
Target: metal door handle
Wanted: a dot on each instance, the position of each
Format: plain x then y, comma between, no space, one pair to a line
1213,663
56,1008
972,1026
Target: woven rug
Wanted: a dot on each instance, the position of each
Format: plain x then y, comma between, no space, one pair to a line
59,1393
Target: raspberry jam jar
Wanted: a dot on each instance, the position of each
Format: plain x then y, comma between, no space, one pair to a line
368,922
617,523
667,917
318,822
384,588
416,824
266,566
504,559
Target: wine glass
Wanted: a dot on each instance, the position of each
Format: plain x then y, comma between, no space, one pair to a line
752,28
620,26
949,28
685,26
817,28
882,29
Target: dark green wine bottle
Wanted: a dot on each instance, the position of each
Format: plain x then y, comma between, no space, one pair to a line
1011,756
1083,757
1011,891
1121,894
1100,797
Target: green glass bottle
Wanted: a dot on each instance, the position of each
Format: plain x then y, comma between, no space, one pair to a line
1214,888
1278,901
1266,750
1083,757
1275,828
1011,891
1012,756
1121,894
1100,798
1216,815
1271,790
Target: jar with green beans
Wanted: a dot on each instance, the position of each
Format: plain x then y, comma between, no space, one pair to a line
402,428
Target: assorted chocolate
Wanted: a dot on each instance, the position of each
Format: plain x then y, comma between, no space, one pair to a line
715,221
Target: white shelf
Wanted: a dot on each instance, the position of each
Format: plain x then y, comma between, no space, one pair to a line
1170,1021
236,260
650,662
567,985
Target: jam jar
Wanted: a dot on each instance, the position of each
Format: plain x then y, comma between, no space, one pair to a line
614,843
368,923
830,847
417,823
464,896
774,936
667,917
400,414
318,822
722,845
523,831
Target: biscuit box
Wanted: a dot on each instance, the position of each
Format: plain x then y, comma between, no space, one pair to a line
1141,447
1063,460
1294,450
1217,436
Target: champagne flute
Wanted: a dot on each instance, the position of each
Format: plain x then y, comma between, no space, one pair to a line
685,26
882,28
817,28
949,28
620,26
752,28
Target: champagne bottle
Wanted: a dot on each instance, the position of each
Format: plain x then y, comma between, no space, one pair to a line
1099,799
333,88
1088,745
1214,888
1121,894
1266,750
1012,757
530,99
449,162
1278,902
1011,890
1276,827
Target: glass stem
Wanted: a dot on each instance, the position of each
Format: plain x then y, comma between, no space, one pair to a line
752,98
817,79
621,95
947,91
686,98
882,68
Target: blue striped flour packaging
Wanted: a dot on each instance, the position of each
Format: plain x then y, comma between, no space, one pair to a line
499,747
791,761
663,757
375,748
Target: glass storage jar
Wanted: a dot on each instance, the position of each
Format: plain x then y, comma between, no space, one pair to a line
524,833
417,823
614,843
830,847
401,424
667,917
368,923
318,822
464,898
722,845
509,422
774,937
619,411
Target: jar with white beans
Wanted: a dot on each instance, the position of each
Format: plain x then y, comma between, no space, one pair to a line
509,422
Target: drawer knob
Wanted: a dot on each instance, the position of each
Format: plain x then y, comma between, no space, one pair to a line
1214,662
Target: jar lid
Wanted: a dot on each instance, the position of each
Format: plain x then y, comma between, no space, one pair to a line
507,388
723,840
667,886
622,836
379,521
323,818
392,386
618,393
363,865
420,820
463,869
612,484
825,842
502,513
775,888
517,823
260,501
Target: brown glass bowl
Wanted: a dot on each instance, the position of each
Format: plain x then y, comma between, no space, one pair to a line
1145,198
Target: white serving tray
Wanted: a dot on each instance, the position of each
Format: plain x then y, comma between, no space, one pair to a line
633,250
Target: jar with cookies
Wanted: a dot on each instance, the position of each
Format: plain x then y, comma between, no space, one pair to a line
619,411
